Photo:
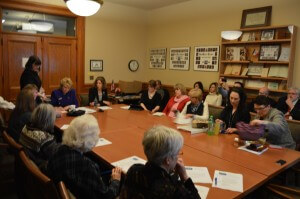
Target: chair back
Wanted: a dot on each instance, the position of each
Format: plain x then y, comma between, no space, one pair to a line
36,185
294,127
14,146
84,99
215,111
64,191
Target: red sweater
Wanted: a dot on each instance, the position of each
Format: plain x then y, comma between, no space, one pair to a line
172,102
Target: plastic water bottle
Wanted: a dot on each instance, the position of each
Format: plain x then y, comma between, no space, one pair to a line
210,130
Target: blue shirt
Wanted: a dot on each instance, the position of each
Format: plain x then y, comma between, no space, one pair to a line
59,99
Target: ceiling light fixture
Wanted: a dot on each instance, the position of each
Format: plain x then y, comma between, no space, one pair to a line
3,20
231,35
84,7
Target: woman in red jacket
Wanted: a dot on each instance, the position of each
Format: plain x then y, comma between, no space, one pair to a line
177,102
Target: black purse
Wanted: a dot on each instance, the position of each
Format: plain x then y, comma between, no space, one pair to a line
75,113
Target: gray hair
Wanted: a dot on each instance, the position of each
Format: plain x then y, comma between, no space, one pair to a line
82,134
43,117
295,89
161,142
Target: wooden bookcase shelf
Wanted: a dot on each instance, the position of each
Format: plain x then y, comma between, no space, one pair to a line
245,51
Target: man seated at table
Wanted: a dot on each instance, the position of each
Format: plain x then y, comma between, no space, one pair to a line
262,91
290,104
278,131
156,179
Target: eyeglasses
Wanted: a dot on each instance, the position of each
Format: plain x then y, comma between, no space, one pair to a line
292,93
259,109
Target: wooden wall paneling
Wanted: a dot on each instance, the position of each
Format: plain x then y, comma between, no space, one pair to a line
15,48
59,58
80,34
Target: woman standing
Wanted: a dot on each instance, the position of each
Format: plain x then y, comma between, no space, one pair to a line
150,100
98,93
213,97
177,102
235,111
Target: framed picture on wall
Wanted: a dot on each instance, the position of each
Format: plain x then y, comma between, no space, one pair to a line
256,17
158,58
206,58
180,58
96,65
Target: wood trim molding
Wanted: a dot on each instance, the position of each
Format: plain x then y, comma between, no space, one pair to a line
36,7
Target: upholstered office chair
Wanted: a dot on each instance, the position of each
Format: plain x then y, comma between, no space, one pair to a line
84,99
36,184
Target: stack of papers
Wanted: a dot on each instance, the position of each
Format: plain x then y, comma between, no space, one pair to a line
125,107
229,181
203,191
87,110
158,114
103,108
181,119
198,174
102,142
126,163
191,129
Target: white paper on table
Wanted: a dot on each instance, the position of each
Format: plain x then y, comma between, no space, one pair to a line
181,119
192,130
228,181
103,142
125,107
126,163
64,127
203,191
198,174
158,114
251,151
87,110
103,108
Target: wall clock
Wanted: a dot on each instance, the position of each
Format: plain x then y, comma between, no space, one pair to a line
133,65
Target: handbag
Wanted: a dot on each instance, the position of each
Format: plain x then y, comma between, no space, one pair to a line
75,113
249,132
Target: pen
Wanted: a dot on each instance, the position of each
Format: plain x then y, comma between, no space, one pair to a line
222,173
216,181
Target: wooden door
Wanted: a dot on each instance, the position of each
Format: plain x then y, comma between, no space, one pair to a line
59,57
17,48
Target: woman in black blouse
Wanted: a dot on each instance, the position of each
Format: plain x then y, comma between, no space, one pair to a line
98,93
150,100
236,110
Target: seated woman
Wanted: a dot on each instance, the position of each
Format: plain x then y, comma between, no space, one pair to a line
199,85
20,116
155,179
196,108
213,97
235,111
70,165
65,95
177,102
98,93
150,100
273,120
38,136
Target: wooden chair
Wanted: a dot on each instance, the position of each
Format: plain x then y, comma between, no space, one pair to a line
284,191
63,191
84,99
36,185
13,145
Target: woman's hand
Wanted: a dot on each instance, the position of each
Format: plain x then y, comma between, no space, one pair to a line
92,103
116,173
189,115
180,170
231,130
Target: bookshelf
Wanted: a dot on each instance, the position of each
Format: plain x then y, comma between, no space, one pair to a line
266,53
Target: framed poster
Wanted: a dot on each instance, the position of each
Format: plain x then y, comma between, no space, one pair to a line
206,58
269,52
180,58
158,58
256,17
96,65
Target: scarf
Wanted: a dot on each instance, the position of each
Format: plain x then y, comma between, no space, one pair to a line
176,104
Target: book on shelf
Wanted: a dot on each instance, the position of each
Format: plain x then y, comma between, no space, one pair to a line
255,69
230,82
236,53
273,85
278,71
228,69
282,85
253,53
236,69
245,36
244,73
285,53
255,83
264,72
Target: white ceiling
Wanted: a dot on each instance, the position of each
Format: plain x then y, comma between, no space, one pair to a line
146,4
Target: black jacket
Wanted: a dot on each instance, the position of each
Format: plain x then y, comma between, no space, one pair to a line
30,77
93,94
283,107
241,115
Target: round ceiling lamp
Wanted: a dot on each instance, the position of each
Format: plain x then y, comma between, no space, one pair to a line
84,7
231,35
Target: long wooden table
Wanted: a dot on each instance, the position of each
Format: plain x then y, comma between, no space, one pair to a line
125,129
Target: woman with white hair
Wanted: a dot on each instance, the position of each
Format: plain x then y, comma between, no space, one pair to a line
155,179
70,165
38,136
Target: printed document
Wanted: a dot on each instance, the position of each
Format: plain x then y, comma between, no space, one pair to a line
103,108
198,174
203,191
227,180
103,142
126,163
87,110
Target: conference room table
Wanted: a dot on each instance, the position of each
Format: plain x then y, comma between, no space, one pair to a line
125,129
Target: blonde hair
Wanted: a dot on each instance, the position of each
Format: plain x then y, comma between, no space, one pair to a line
66,81
82,134
196,93
181,87
161,142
